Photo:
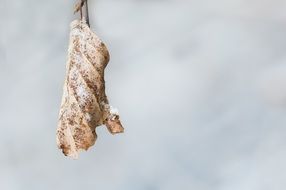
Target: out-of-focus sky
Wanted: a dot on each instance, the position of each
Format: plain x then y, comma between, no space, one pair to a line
200,86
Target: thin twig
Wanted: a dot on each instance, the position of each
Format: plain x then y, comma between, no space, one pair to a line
78,8
86,13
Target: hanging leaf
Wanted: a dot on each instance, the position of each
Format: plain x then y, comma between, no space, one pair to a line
84,104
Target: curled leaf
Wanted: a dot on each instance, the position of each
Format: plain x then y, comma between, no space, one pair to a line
84,103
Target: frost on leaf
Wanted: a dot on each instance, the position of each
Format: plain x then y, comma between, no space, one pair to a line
84,104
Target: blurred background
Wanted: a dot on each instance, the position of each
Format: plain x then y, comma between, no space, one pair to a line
200,86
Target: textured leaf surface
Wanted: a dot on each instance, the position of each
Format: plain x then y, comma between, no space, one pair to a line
84,103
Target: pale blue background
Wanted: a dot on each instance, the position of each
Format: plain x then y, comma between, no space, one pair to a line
200,86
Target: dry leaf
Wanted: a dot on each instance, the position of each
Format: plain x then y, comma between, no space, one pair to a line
84,104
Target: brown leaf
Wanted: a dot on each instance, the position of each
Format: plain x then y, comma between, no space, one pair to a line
84,104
